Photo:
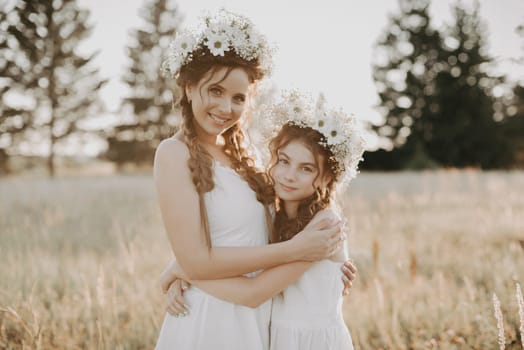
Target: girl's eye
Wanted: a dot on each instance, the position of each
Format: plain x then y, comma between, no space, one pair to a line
307,169
282,161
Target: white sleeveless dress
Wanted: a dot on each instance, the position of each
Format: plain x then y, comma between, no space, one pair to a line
308,314
236,218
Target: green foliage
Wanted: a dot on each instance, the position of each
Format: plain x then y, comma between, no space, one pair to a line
151,93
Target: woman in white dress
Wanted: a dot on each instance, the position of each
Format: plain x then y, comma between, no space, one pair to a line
315,150
214,202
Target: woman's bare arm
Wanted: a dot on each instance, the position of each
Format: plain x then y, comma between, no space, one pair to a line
179,206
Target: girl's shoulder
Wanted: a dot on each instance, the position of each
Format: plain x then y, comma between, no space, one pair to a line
327,213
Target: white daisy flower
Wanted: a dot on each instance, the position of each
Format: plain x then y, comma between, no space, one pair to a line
334,136
217,44
237,37
184,43
224,31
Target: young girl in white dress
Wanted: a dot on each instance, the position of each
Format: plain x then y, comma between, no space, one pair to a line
214,202
315,150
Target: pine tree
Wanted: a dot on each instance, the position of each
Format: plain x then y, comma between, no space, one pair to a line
50,70
514,114
466,130
409,58
151,93
20,72
435,93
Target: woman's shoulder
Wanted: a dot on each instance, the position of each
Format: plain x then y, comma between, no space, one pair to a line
172,148
171,156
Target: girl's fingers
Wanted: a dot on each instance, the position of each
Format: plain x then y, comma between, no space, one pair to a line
348,273
349,264
180,301
185,285
175,301
175,308
347,282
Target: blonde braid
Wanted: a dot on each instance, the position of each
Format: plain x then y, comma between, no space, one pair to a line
200,164
244,164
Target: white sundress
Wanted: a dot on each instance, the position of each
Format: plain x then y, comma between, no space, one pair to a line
236,218
308,314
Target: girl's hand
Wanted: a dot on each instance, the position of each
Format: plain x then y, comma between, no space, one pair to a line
175,304
320,239
170,274
349,271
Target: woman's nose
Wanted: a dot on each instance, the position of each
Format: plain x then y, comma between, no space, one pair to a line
224,105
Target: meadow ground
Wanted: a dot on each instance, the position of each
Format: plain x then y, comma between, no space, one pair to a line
80,259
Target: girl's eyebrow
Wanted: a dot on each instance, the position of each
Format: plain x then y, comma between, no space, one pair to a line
281,153
302,164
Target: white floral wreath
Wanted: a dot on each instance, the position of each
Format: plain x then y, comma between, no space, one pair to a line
225,31
343,136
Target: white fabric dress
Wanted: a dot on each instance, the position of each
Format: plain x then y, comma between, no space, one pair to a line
236,218
308,314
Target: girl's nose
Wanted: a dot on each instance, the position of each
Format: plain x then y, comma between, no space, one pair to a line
289,175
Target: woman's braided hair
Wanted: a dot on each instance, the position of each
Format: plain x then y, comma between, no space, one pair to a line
200,162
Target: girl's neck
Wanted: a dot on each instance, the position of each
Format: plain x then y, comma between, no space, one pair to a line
290,208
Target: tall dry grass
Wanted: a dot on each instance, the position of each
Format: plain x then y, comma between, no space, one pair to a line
80,259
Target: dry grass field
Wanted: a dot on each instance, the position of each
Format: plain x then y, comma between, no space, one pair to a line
80,257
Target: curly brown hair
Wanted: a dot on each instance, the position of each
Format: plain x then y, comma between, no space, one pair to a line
284,227
200,162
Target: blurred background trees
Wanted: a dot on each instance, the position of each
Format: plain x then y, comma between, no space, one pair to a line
442,101
48,86
148,108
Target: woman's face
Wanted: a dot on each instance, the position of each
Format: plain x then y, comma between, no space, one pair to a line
296,172
218,103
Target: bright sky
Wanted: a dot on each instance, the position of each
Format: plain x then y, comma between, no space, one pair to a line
323,46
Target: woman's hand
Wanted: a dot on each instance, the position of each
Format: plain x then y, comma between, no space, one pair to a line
320,239
349,271
175,304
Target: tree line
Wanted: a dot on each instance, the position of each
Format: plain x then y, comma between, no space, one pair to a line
442,101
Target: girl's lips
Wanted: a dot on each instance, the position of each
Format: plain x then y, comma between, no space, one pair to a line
287,188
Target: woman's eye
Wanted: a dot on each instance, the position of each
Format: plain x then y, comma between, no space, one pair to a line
282,161
307,169
215,91
240,99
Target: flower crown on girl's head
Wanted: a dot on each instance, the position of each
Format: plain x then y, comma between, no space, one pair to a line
225,31
341,133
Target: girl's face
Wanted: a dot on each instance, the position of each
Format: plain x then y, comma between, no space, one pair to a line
218,103
296,173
